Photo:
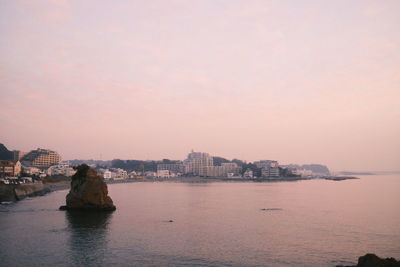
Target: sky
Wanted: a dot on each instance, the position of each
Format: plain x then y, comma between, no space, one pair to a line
295,81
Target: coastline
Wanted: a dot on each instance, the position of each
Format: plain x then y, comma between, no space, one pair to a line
13,193
196,179
56,186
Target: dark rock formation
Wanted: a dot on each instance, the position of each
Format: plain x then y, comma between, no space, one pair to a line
88,191
371,260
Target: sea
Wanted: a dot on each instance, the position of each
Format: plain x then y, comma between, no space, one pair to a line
299,223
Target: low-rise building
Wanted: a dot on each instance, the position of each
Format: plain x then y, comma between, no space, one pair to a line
220,171
115,174
10,168
61,169
163,174
107,174
173,167
268,172
31,170
269,168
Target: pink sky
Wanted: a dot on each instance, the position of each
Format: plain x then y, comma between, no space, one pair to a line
295,81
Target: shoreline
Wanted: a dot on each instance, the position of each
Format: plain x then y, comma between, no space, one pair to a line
196,179
14,193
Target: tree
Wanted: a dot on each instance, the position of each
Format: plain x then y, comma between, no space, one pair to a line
117,163
253,167
218,161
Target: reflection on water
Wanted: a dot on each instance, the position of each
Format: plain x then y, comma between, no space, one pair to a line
85,219
319,223
87,237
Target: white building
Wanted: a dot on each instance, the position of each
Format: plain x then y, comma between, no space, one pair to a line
196,162
61,169
107,174
165,174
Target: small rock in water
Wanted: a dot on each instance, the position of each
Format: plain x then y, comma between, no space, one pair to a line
170,221
271,209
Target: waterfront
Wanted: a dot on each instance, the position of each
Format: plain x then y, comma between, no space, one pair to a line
306,223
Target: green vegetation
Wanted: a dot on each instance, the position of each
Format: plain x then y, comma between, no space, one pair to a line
140,165
253,167
218,161
5,154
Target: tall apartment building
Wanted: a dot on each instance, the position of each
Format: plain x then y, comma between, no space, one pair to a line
41,158
220,171
196,161
269,168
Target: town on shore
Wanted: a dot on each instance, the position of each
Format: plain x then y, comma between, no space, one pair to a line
46,165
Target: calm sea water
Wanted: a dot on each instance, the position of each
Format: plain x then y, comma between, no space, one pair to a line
311,223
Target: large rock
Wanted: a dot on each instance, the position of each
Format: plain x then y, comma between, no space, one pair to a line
371,260
88,191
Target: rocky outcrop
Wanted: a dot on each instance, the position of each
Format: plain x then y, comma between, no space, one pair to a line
371,260
11,192
88,191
